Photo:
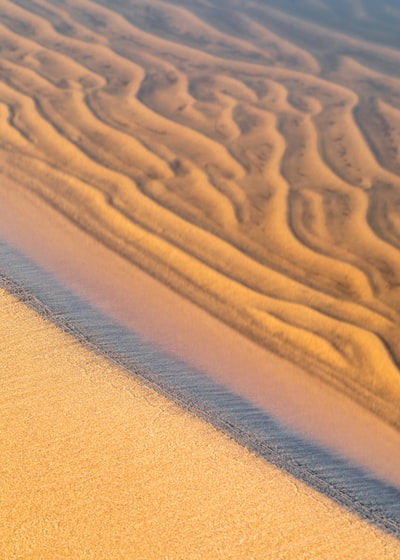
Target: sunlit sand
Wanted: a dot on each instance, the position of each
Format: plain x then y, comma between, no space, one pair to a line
252,180
240,162
95,465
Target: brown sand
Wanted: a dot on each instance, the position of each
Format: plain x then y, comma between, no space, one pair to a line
96,466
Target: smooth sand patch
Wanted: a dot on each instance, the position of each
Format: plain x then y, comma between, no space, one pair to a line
95,465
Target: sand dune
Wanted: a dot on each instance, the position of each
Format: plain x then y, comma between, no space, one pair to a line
96,465
246,156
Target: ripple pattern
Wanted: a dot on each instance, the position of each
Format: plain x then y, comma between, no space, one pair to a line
245,154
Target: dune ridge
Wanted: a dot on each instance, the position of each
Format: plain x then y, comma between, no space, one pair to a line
110,469
247,157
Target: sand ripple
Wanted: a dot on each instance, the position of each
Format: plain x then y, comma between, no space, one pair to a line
246,156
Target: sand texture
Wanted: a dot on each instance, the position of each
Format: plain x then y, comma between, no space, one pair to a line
244,155
220,181
172,339
95,465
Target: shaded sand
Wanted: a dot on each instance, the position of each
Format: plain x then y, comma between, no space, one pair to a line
145,306
95,465
243,153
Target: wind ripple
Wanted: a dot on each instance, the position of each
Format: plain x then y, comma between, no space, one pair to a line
245,155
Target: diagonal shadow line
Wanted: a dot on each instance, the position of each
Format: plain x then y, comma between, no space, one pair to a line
371,499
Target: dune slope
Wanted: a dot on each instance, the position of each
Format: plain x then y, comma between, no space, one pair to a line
96,465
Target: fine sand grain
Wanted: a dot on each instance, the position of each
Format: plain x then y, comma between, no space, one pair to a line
97,466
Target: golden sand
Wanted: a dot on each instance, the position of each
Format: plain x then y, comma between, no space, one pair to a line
244,155
96,465
247,157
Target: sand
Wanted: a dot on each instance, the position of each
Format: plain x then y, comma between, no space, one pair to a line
96,465
143,305
239,162
246,157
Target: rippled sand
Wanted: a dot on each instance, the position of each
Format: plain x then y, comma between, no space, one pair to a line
95,465
245,156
